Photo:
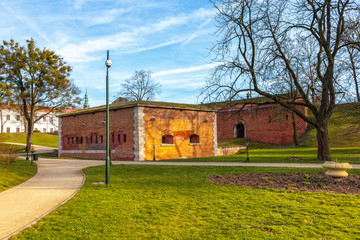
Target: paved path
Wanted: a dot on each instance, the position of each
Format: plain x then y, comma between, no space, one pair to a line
56,182
240,164
38,148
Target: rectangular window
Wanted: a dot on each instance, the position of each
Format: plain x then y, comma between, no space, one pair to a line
81,140
44,129
124,137
51,119
8,117
101,139
8,130
96,139
17,130
44,119
68,140
118,138
51,130
17,117
91,139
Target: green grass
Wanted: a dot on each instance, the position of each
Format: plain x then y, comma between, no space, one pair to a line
307,155
179,202
16,173
344,128
43,139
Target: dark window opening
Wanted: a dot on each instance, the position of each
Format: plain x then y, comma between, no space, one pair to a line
91,139
87,140
118,138
112,138
68,140
194,138
287,117
167,139
269,119
101,139
72,140
124,137
81,140
96,139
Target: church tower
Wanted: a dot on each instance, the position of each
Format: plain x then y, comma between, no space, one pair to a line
86,103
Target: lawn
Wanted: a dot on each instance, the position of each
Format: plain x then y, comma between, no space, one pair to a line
307,155
43,139
179,202
16,173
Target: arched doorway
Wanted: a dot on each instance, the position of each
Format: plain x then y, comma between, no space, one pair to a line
239,130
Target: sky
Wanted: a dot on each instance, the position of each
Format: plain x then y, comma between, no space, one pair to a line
171,38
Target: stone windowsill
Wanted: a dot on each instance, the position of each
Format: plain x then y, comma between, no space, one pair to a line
167,145
194,144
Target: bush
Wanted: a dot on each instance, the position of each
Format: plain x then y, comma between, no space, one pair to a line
36,131
8,153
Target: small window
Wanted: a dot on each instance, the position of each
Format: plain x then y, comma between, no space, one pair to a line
72,140
8,130
81,140
269,119
51,130
51,119
167,139
91,139
112,138
18,117
17,130
44,119
96,139
68,140
8,117
124,137
287,117
44,129
194,138
118,138
101,139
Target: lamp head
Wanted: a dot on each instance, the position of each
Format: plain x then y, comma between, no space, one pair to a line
108,63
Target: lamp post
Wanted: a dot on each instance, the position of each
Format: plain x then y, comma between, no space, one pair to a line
247,152
107,160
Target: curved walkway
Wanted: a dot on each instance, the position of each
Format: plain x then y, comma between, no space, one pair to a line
56,182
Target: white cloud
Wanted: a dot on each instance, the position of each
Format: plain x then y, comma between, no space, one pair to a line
185,70
78,3
129,42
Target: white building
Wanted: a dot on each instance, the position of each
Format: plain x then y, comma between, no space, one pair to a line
12,120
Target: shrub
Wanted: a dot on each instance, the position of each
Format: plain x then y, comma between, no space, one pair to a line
8,153
36,131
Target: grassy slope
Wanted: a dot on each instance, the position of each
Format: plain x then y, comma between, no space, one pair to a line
178,202
43,139
16,173
344,132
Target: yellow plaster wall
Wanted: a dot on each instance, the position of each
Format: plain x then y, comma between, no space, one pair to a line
180,124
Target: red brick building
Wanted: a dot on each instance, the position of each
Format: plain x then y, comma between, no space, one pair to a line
140,131
268,123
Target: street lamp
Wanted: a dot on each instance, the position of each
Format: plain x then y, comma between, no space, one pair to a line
107,160
247,152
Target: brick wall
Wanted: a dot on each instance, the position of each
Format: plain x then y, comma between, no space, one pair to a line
84,135
181,124
268,124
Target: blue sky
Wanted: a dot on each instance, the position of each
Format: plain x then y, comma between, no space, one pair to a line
171,38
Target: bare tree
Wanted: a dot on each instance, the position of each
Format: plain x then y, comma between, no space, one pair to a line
262,39
140,87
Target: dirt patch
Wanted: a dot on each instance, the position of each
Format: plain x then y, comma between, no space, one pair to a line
308,182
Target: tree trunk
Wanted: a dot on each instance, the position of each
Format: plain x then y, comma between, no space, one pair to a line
323,143
29,136
295,136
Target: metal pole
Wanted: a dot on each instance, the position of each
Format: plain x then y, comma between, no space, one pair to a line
107,121
247,152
